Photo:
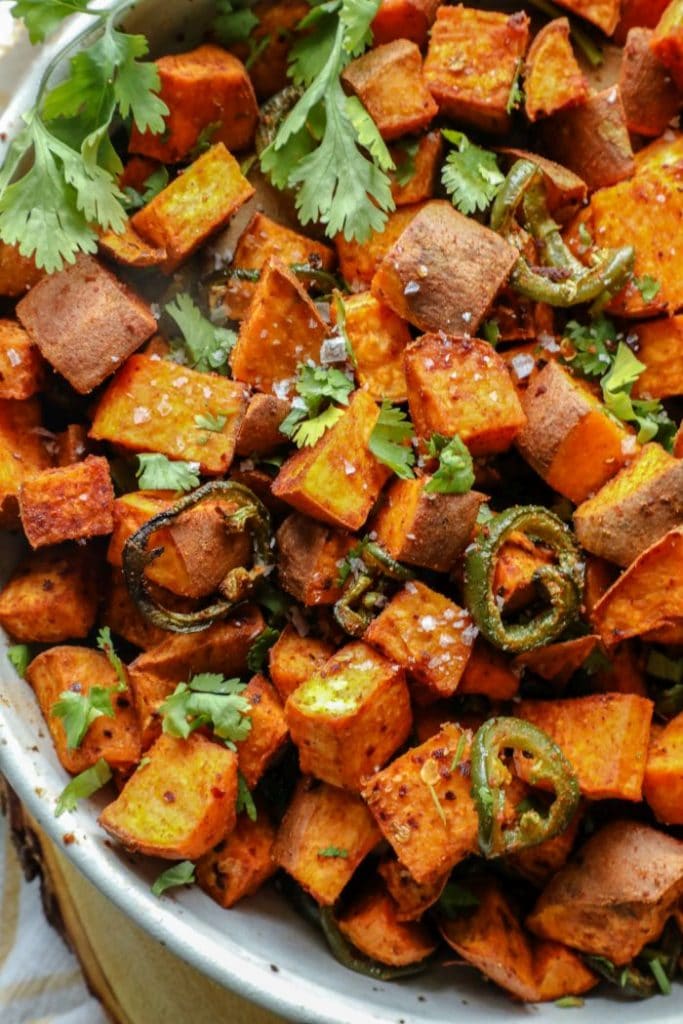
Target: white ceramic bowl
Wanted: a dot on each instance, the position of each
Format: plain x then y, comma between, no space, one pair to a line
261,949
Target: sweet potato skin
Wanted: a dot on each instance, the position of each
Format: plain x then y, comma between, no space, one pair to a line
411,899
372,925
309,558
614,897
68,503
663,782
667,41
650,97
239,864
51,596
259,432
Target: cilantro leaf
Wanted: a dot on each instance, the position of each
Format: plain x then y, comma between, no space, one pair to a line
470,175
648,286
245,801
455,898
79,710
157,181
516,95
406,164
42,17
208,699
234,21
356,17
491,331
663,667
333,851
179,874
387,441
83,786
106,644
368,134
19,655
593,346
258,651
214,424
157,473
309,432
455,474
312,412
207,347
649,416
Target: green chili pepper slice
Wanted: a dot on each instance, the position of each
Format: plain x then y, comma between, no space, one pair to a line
520,178
488,776
563,582
365,590
250,515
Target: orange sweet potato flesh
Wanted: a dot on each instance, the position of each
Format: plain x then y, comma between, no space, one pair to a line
17,273
130,249
404,19
358,261
293,658
309,558
372,925
663,782
610,769
602,13
411,899
557,663
321,818
121,614
614,897
117,739
269,43
638,14
21,367
427,161
180,804
268,733
239,864
378,338
518,562
659,347
539,863
22,453
489,672
67,503
553,79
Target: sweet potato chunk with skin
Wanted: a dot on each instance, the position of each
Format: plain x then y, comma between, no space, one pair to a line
130,249
207,89
194,206
557,663
603,13
471,64
293,659
309,557
121,614
462,386
338,479
424,529
443,272
425,164
491,938
67,503
152,405
648,596
321,821
240,864
428,635
389,83
539,863
615,896
488,672
282,329
638,14
663,782
78,669
633,509
424,808
348,718
660,343
21,368
411,899
610,769
259,432
180,804
372,925
378,338
568,438
358,261
262,240
17,273
404,19
667,40
268,732
553,79
51,596
85,322
22,453
130,512
650,97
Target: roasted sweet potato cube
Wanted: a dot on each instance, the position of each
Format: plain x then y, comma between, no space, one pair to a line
259,432
428,635
22,453
130,249
51,596
222,647
348,718
282,328
603,13
424,529
309,558
121,614
207,91
404,19
293,659
324,836
194,206
443,272
239,864
490,936
130,512
262,240
378,338
633,509
338,479
667,40
461,386
371,924
21,368
568,438
267,49
565,191
67,503
650,97
17,273
180,804
358,261
610,769
153,405
424,808
557,663
268,733
614,897
77,669
411,899
553,79
638,14
85,322
663,782
660,344
388,81
539,863
489,672
648,596
471,65
417,167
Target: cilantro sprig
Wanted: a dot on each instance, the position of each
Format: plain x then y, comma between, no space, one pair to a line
208,699
455,474
179,874
470,174
52,211
206,347
19,655
234,20
245,801
106,645
83,786
388,441
79,710
321,393
157,473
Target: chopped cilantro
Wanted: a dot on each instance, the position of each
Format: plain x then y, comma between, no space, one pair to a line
157,473
258,651
179,874
516,94
333,851
593,346
470,175
19,655
106,644
83,786
208,699
455,474
569,1002
206,346
387,441
406,164
660,975
491,332
648,415
214,424
154,184
456,897
663,667
79,710
234,21
312,412
459,752
245,801
648,286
